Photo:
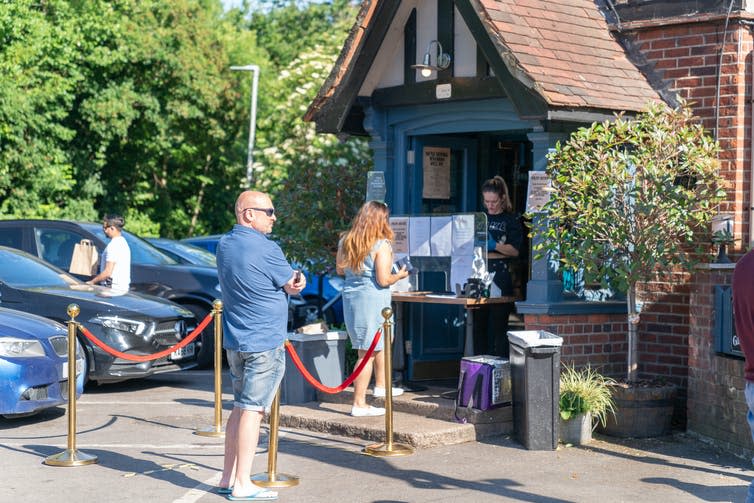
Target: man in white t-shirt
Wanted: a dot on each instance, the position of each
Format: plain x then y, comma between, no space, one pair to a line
115,264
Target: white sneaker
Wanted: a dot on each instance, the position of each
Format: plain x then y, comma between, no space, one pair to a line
380,392
367,411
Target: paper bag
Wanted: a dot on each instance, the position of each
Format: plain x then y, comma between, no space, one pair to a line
319,327
85,259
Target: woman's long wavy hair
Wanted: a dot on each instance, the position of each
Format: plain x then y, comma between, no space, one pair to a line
369,225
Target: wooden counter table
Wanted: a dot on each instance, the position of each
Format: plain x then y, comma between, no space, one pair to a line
471,305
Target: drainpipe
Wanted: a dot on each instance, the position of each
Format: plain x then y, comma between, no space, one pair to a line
751,143
751,156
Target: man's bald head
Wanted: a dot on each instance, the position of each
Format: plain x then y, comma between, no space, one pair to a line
247,199
248,214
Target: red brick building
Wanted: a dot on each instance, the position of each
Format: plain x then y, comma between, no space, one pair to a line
522,75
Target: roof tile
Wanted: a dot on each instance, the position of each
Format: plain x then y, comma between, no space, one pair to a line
565,47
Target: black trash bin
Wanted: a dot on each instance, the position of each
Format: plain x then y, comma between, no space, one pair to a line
535,379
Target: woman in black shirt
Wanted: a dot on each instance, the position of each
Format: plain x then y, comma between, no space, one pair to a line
504,239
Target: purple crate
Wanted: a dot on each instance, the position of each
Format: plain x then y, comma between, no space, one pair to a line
484,382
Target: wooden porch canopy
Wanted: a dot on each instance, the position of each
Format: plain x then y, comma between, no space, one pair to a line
555,59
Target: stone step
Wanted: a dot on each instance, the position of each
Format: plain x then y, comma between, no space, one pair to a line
421,419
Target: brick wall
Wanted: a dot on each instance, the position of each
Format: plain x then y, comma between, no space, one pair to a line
597,339
716,403
600,340
686,56
673,340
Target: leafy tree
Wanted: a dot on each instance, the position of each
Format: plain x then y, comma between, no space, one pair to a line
130,106
289,28
38,78
125,106
160,118
628,198
318,180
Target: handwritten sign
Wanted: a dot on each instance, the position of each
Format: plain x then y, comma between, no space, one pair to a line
537,193
436,173
400,235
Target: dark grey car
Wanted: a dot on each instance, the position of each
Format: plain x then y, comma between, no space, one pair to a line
131,323
152,272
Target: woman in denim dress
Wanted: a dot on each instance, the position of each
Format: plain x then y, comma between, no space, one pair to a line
365,257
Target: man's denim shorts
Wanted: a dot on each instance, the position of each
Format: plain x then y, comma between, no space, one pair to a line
256,377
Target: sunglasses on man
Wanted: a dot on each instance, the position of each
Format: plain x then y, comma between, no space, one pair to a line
267,211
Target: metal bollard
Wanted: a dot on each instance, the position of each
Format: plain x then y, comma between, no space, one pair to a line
271,478
71,456
217,429
388,448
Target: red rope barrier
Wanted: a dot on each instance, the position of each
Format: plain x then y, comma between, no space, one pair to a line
300,366
145,358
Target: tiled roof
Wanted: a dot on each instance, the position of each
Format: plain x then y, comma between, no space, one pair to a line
566,52
562,50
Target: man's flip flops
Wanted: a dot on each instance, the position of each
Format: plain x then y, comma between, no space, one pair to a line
224,490
263,495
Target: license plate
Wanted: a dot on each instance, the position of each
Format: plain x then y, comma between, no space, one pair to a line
185,352
79,366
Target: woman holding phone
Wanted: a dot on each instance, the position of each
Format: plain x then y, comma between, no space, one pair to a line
365,257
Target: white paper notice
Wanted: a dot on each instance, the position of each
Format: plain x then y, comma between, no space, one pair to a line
460,270
418,237
400,235
463,236
442,231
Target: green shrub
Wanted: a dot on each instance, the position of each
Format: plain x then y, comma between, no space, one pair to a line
585,390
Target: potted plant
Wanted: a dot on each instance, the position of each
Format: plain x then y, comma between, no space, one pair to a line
585,401
627,200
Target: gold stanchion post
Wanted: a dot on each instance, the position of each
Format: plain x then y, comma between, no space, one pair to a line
388,448
71,456
271,478
217,429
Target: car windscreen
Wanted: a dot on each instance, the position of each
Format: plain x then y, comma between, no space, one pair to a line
20,271
199,256
141,251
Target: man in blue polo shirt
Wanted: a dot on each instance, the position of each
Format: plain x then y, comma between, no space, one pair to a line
255,279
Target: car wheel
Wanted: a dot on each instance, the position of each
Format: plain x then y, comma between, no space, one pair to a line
206,357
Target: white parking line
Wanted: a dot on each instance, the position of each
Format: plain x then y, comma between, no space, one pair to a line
197,492
85,446
79,402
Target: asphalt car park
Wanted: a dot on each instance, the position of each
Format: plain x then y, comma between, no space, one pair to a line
152,272
34,364
144,436
130,323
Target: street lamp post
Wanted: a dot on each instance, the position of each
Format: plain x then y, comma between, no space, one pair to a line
253,119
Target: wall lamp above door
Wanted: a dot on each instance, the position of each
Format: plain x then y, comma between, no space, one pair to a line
442,60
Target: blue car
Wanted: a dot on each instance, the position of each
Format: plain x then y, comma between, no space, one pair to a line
34,364
209,243
184,253
328,301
